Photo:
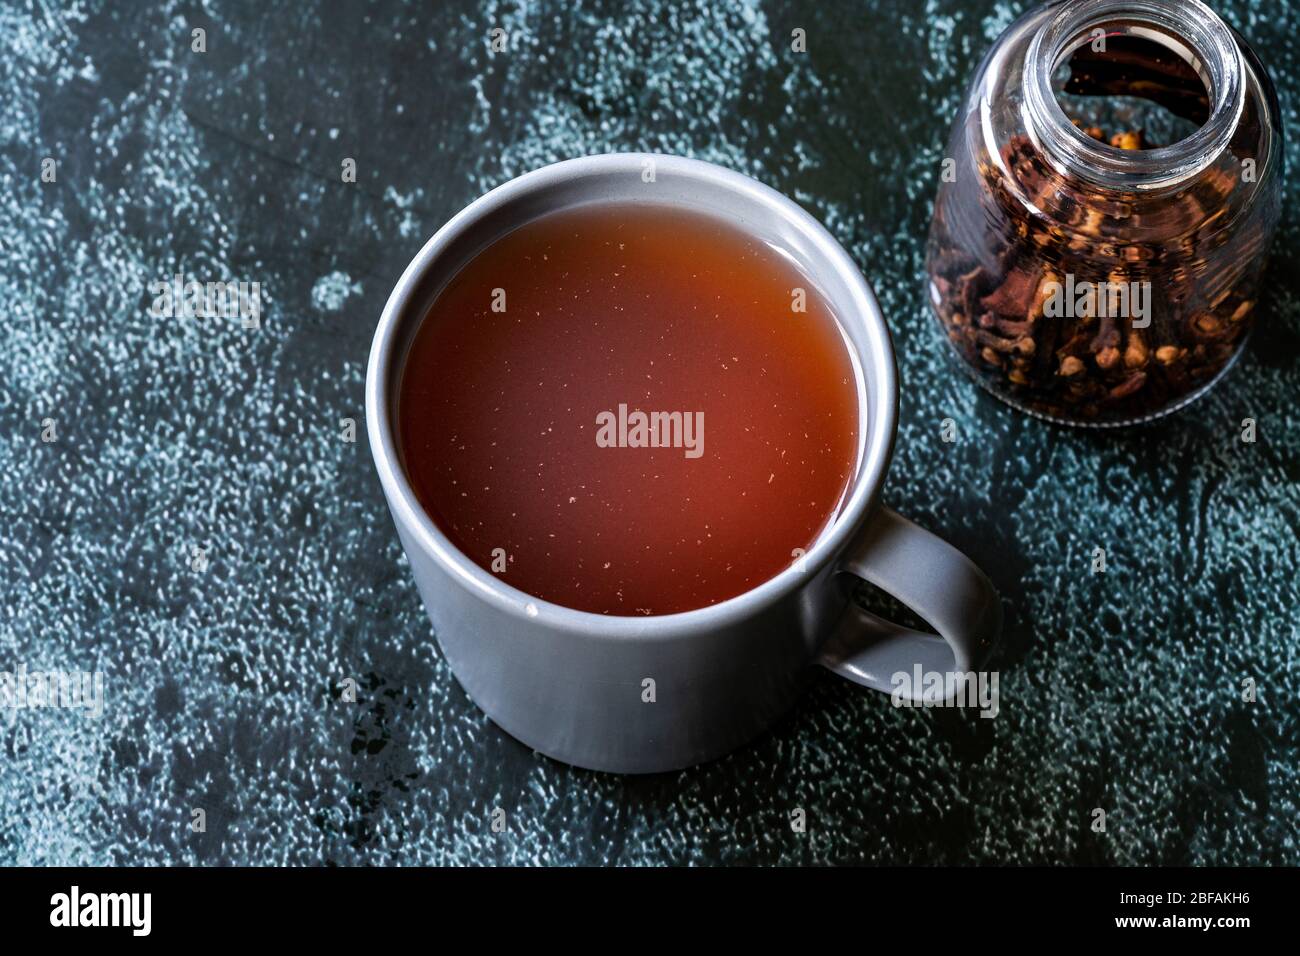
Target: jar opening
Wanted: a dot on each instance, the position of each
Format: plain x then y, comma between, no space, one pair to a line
1172,66
1148,88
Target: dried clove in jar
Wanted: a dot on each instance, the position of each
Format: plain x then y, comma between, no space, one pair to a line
1090,275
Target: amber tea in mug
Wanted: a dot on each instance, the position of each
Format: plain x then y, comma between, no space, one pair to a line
630,409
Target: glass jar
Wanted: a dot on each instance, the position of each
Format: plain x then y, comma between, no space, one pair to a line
1098,237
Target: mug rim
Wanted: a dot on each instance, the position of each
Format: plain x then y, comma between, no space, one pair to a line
881,392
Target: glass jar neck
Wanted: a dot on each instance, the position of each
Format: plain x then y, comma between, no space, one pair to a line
1188,28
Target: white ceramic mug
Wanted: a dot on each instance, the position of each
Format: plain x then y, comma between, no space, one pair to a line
573,684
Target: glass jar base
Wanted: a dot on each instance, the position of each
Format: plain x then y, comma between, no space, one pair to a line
955,356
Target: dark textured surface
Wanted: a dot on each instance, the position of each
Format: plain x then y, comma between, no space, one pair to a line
1120,691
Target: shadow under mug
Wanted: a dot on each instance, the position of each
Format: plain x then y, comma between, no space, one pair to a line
646,694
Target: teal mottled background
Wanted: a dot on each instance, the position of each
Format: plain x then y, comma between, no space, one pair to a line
1120,691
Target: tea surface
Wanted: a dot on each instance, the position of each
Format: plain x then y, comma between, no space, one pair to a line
518,410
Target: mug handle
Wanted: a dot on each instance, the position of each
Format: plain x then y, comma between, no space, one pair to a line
936,581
